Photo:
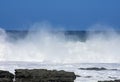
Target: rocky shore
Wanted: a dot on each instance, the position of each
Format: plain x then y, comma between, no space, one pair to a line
110,81
37,75
96,68
6,76
42,75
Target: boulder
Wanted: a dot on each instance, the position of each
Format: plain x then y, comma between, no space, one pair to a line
6,76
43,75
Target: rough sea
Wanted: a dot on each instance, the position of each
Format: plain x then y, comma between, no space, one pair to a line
68,50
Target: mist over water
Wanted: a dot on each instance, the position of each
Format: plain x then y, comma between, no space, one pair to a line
42,45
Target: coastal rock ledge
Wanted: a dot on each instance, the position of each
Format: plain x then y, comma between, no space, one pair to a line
110,81
37,75
6,76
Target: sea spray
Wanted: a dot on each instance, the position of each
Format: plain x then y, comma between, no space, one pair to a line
41,45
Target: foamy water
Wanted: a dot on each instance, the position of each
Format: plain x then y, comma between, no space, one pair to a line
55,51
86,75
44,46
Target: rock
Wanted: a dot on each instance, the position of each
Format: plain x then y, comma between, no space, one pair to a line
87,76
110,81
43,75
114,69
98,69
112,77
37,75
6,76
93,68
78,76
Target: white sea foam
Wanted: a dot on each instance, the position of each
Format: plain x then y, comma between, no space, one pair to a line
43,46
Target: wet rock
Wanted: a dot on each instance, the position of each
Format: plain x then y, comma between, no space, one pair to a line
112,77
6,76
93,68
98,69
114,69
78,76
110,81
87,76
43,75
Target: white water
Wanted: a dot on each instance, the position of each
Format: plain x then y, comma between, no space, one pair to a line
43,46
86,75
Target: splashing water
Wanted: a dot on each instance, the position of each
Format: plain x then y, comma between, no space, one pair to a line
44,46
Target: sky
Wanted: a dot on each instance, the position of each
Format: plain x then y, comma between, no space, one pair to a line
69,14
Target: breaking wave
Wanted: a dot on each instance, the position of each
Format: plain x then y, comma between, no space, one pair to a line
46,46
